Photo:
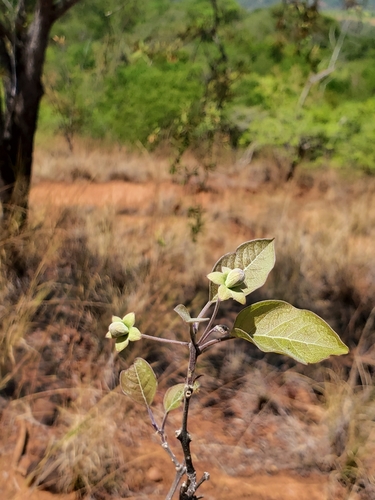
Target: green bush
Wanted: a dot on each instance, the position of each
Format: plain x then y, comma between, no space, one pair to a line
141,98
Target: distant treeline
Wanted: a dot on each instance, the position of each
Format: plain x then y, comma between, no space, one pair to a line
323,4
191,71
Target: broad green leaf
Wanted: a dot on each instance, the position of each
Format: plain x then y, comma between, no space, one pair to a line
276,326
173,397
139,382
182,311
256,258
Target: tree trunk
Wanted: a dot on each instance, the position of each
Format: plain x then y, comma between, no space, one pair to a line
22,53
22,101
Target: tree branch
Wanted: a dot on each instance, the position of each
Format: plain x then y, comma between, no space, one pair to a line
313,79
62,7
5,62
20,20
1,121
4,32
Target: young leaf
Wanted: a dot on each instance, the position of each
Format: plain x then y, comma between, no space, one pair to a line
173,397
276,326
139,382
256,258
183,312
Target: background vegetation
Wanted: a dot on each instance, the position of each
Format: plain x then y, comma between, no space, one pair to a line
185,72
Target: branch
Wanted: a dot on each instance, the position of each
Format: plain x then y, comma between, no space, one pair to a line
20,16
5,61
62,7
208,329
212,342
188,488
1,122
180,468
8,5
313,79
161,339
4,32
179,475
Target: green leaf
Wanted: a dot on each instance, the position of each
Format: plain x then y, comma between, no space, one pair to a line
173,397
139,382
276,326
256,258
182,311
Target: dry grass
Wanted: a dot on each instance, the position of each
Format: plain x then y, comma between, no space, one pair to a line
95,161
88,255
86,457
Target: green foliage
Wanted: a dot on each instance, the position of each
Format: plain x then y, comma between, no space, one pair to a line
196,71
184,314
139,382
276,326
141,98
256,258
173,397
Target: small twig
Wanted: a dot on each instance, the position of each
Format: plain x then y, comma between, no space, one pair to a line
208,329
315,78
179,475
152,418
180,469
160,339
212,342
204,478
193,334
203,312
163,438
164,421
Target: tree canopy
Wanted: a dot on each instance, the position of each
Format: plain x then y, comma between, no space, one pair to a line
267,78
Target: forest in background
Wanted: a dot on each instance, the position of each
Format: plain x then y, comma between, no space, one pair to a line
193,73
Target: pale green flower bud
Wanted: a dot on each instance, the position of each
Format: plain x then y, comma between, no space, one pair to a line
235,278
124,331
118,329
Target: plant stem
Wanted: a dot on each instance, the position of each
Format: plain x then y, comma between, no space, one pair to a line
208,330
180,468
176,482
188,488
160,339
163,437
212,342
203,312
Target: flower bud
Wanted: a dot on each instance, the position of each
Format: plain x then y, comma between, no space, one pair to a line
118,329
235,278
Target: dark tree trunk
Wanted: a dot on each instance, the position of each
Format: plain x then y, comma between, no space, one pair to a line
22,53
